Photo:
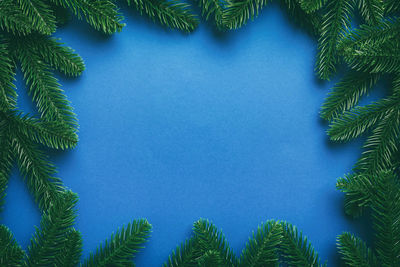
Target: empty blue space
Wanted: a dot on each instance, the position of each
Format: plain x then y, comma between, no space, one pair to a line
177,127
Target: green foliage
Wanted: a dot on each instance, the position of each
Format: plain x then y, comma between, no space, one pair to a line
309,21
371,10
381,147
384,200
359,191
49,239
71,252
57,243
238,12
122,246
11,254
336,19
263,248
355,252
173,14
272,244
296,249
312,5
347,93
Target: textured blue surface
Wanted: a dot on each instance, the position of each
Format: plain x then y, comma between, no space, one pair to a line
178,127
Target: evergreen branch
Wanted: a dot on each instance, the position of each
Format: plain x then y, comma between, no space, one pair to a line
49,240
238,12
170,13
212,258
100,14
336,20
355,252
371,10
355,122
39,14
13,20
311,22
262,249
296,250
37,171
382,145
11,254
369,35
347,93
310,6
71,252
44,88
7,93
120,250
184,256
213,8
55,54
6,160
375,59
392,7
386,216
359,192
49,133
208,238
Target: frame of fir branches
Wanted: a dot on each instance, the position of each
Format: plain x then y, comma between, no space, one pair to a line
370,51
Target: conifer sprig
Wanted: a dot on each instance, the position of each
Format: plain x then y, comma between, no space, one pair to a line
11,254
272,242
173,14
122,246
355,252
385,205
346,94
336,20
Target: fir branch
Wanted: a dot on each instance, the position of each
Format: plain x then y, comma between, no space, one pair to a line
359,192
208,238
13,20
186,255
173,14
372,35
238,12
49,240
11,254
347,93
263,248
355,122
213,8
7,93
310,6
39,14
355,252
122,246
296,250
55,54
311,22
37,171
335,21
52,134
71,252
100,14
382,145
6,159
44,88
384,58
371,10
391,7
386,216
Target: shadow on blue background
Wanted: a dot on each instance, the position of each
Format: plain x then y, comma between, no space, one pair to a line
177,127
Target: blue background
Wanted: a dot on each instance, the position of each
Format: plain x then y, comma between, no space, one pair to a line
177,127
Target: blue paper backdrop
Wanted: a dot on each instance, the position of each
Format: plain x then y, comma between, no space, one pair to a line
177,127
